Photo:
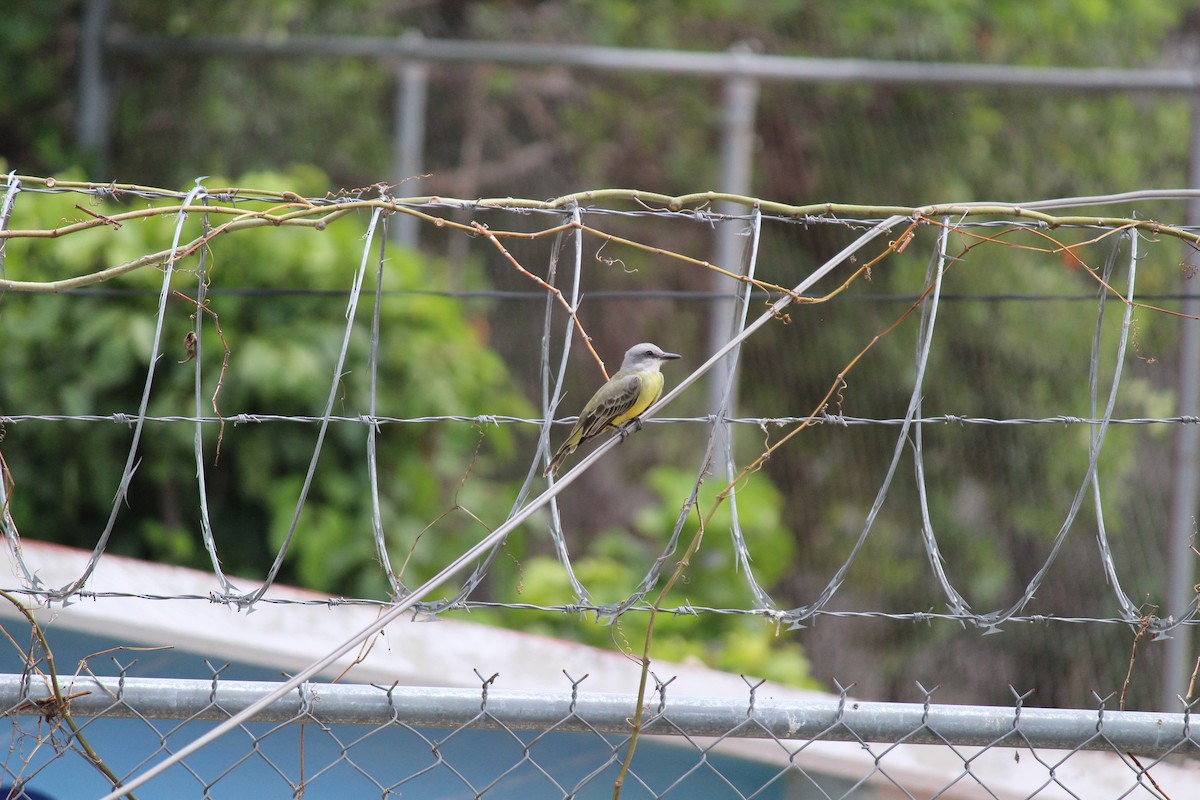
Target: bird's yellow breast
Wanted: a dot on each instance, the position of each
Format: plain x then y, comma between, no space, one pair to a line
652,386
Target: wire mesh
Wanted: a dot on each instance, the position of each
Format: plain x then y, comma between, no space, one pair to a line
487,742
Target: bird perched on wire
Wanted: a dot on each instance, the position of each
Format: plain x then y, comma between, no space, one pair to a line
620,402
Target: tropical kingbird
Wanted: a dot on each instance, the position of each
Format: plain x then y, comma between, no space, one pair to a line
620,402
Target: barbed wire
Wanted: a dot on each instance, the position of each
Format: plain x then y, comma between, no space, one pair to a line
618,294
837,420
595,611
665,205
560,286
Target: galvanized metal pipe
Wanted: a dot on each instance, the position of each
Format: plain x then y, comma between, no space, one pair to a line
714,65
835,719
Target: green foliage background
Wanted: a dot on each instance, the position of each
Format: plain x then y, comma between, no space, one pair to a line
998,495
87,353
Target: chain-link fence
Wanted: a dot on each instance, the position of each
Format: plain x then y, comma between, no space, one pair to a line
391,741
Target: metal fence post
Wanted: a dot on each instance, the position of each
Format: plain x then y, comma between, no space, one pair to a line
91,124
408,137
737,165
1185,474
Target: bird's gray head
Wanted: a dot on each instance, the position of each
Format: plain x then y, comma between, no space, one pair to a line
645,356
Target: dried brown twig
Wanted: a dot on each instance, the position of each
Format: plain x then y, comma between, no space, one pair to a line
189,346
59,705
484,231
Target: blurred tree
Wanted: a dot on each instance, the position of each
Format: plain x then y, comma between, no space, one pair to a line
617,560
86,352
997,496
38,41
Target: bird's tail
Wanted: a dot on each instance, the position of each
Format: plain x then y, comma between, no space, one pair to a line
557,461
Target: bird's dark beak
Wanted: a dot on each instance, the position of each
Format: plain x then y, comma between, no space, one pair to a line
670,356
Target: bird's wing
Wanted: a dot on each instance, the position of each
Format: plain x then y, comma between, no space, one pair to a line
621,396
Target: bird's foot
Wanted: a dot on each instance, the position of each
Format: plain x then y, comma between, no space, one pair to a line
634,424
